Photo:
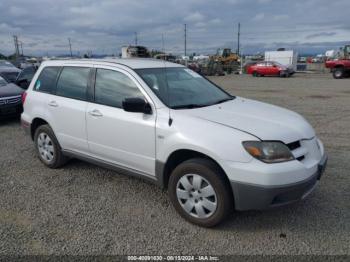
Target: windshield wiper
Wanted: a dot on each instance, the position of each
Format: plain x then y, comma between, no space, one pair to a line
223,100
188,106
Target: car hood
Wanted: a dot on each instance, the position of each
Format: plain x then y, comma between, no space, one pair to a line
10,90
9,69
264,121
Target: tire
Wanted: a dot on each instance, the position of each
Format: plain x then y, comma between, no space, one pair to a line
48,149
256,74
205,206
283,74
338,73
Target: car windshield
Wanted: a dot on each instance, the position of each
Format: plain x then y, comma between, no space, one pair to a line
182,88
2,82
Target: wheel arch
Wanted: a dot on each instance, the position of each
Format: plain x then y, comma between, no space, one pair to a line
164,170
36,122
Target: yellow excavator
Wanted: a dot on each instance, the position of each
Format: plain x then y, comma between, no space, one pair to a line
224,61
225,57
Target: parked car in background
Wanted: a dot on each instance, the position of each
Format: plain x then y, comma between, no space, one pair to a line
8,71
247,65
165,123
3,82
10,99
25,76
268,68
339,68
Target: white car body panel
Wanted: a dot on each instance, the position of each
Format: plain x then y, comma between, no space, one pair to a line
124,138
138,141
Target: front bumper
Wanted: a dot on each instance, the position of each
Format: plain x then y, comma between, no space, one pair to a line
256,197
10,110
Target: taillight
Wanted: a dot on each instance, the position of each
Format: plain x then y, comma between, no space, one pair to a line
24,95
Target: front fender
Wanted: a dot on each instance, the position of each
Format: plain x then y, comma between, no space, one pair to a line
212,139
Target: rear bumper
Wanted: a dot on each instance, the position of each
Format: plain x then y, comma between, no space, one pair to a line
255,197
26,127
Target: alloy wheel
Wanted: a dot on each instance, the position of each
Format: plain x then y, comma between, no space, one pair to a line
45,147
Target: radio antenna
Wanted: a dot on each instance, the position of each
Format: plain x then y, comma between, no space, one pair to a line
170,121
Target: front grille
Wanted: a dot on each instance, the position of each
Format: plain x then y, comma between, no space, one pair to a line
294,145
300,158
13,100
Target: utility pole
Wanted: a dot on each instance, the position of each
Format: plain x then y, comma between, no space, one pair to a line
70,47
185,39
238,38
22,47
15,39
163,49
135,38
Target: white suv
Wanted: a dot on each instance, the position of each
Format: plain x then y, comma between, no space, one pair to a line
167,124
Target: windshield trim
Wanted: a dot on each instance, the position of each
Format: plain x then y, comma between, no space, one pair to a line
230,97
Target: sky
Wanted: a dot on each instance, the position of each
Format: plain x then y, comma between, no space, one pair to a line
104,26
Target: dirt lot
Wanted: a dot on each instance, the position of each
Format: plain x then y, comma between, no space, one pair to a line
84,209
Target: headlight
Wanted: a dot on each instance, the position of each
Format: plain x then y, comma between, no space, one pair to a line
268,152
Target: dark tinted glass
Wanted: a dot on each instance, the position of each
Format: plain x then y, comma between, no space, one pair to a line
10,76
72,82
27,73
113,87
47,79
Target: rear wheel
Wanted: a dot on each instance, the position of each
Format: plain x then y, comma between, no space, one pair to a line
48,148
200,193
338,73
256,74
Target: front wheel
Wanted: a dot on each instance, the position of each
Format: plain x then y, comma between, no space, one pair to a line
200,193
338,73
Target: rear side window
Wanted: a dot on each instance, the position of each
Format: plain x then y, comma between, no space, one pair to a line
46,81
113,87
72,82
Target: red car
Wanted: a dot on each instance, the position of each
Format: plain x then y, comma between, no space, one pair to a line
267,68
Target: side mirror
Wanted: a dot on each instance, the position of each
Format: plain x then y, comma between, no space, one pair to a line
136,105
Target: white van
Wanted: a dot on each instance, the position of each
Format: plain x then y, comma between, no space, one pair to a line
165,123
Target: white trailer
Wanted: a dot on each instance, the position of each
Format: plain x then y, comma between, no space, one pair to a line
288,58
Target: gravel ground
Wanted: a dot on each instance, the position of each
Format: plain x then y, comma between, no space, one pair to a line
82,209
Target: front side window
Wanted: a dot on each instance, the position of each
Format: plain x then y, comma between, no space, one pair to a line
112,87
46,81
182,87
72,82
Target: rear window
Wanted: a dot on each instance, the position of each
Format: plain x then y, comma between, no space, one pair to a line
72,82
46,81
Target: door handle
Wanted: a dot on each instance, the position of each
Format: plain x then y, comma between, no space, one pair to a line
53,104
95,112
